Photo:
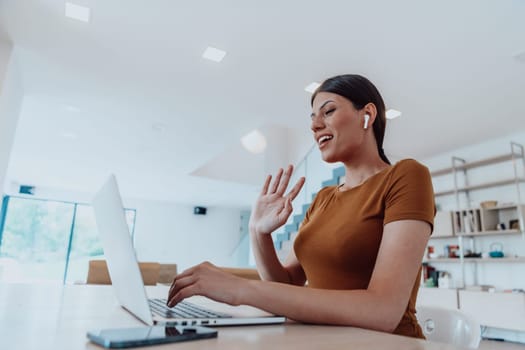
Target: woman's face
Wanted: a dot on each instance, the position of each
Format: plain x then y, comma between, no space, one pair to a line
337,127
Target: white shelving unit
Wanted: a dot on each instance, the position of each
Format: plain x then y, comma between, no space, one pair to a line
468,225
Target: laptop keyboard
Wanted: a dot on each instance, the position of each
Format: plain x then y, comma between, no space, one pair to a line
182,310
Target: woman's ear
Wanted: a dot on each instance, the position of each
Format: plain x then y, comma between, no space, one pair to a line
370,111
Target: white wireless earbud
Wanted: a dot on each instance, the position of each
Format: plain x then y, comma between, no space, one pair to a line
367,118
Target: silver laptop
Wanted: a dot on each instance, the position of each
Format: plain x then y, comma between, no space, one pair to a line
129,286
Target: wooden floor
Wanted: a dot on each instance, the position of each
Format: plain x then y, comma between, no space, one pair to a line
500,345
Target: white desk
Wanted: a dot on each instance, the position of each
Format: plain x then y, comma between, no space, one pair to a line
55,317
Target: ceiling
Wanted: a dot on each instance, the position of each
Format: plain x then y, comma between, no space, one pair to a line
129,92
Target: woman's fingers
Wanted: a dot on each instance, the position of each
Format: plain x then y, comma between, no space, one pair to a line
184,278
276,181
207,280
266,185
297,188
179,284
187,283
280,182
185,273
182,294
285,180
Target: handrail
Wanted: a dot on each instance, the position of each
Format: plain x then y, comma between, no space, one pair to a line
304,160
238,245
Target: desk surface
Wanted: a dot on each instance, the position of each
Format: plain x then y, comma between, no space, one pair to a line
57,317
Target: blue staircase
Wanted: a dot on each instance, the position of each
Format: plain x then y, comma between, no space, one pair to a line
293,227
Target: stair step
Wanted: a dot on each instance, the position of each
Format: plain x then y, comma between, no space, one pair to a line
297,219
291,228
338,172
305,207
287,245
331,182
283,236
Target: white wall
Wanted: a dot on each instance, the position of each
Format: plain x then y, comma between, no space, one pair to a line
171,233
501,275
11,95
276,154
5,54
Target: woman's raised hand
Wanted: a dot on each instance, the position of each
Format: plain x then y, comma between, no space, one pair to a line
273,207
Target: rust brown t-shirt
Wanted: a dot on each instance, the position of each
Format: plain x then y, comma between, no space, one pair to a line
339,239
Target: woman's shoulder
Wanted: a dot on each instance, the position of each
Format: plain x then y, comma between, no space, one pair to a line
410,165
408,170
326,191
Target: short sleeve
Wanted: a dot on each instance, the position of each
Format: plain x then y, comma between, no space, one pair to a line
410,194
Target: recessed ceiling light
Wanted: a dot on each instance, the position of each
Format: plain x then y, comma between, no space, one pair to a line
392,113
80,13
214,54
69,135
520,57
255,142
71,108
312,87
158,127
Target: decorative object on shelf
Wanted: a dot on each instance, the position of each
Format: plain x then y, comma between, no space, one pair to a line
429,283
468,222
501,226
444,280
488,204
452,251
430,253
430,275
496,250
471,254
514,224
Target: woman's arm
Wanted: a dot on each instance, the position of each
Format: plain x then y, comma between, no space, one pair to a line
269,266
378,307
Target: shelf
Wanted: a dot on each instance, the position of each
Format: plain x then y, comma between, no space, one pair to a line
502,207
444,237
441,260
480,186
512,259
466,166
488,233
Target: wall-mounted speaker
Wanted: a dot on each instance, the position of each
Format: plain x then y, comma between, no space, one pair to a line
25,189
199,210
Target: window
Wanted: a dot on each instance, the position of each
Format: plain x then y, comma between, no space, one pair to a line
43,240
85,243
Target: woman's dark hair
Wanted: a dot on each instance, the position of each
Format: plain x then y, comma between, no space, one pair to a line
360,91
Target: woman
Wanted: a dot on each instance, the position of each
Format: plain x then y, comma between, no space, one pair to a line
357,257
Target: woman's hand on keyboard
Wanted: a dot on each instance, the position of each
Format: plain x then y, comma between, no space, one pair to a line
207,280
